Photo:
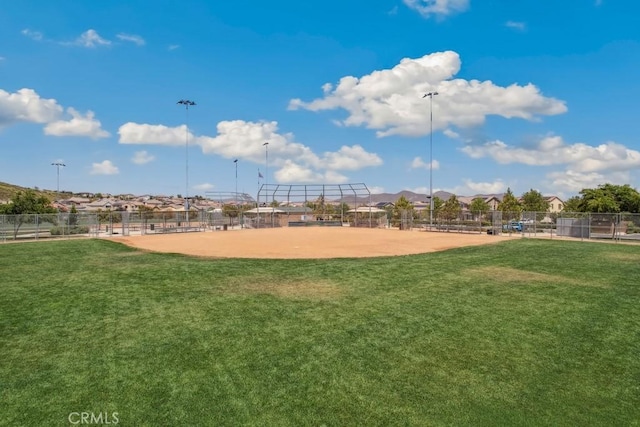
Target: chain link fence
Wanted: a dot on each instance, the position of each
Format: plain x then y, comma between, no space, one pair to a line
103,224
576,225
569,225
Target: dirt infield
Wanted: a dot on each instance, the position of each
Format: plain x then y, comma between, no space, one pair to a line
325,242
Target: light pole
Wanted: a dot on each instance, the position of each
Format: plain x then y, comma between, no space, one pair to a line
266,173
186,103
57,165
236,194
430,95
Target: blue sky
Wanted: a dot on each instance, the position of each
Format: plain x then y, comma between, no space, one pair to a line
531,94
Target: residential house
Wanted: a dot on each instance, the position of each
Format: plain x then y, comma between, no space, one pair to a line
555,204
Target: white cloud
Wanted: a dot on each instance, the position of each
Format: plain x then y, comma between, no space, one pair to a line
439,8
134,133
173,47
451,134
471,188
574,181
350,158
514,25
291,172
133,38
376,190
239,139
90,39
204,187
485,187
104,168
586,165
78,125
391,101
33,35
25,105
552,150
418,163
142,158
245,140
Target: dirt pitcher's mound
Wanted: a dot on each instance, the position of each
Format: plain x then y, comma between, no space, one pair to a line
309,242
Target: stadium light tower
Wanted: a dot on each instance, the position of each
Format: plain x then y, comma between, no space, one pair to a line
187,103
236,196
58,165
430,95
266,173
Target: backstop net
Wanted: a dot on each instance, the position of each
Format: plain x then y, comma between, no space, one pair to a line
314,204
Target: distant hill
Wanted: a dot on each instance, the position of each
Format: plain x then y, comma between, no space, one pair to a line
7,191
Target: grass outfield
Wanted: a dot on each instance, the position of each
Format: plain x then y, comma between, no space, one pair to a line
527,332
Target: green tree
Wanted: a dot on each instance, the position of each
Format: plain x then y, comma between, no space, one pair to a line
342,209
438,203
402,205
509,206
572,204
23,206
230,210
73,216
610,198
601,203
318,207
534,201
451,209
479,207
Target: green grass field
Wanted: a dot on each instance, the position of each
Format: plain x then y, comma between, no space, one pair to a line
526,332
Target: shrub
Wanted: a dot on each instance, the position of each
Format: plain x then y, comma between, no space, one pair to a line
62,231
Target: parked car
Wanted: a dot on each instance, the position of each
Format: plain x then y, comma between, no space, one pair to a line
517,226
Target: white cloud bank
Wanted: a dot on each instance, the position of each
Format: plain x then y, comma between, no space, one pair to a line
418,163
133,38
78,125
33,35
471,188
144,134
204,186
142,157
105,167
89,39
586,165
295,162
438,8
391,101
26,106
